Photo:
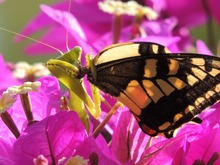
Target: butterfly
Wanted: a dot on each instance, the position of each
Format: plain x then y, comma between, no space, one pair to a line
163,90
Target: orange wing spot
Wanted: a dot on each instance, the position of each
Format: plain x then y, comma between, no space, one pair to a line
152,90
173,67
134,98
209,94
129,103
155,48
150,68
164,126
214,72
199,100
167,89
201,74
189,109
216,63
148,130
191,80
198,61
217,88
179,84
177,117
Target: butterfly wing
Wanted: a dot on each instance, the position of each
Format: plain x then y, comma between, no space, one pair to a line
163,90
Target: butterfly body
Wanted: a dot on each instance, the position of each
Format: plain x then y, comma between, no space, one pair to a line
163,90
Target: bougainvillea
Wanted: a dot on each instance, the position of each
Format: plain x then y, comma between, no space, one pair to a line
39,127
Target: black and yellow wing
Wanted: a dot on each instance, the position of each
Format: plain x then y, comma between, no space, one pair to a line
163,90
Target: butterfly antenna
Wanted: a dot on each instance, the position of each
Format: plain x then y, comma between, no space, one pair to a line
32,39
67,31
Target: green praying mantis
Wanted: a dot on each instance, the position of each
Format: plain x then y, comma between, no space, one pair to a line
67,69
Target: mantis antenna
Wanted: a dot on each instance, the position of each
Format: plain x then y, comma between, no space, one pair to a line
67,31
32,39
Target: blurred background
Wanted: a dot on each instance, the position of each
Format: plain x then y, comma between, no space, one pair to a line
14,16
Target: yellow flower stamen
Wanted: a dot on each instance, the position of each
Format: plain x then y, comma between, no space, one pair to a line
6,101
24,70
8,97
131,8
24,88
77,160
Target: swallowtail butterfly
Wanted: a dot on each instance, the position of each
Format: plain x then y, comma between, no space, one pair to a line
163,90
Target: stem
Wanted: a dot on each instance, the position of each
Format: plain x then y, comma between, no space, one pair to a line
137,30
95,124
210,27
106,103
116,28
93,159
218,49
149,142
106,119
64,103
211,36
6,118
30,76
25,100
215,156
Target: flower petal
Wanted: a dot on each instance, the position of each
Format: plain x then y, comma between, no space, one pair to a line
7,80
97,146
170,151
6,149
54,137
47,100
128,141
202,48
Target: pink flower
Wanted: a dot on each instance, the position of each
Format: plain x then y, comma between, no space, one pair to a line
54,137
196,13
1,1
44,103
58,137
92,33
188,15
58,21
7,80
96,150
128,140
157,31
202,48
193,142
